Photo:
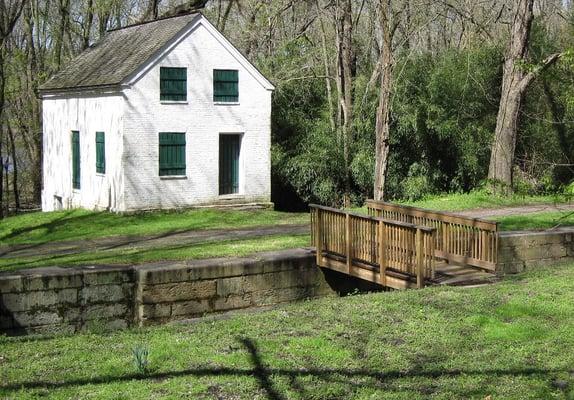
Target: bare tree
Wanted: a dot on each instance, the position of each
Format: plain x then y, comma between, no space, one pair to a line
343,14
515,81
10,11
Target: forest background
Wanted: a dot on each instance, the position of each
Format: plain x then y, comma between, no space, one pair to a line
389,99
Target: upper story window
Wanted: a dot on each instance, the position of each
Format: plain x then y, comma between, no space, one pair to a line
173,84
225,85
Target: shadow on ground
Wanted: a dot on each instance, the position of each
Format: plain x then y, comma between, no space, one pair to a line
356,378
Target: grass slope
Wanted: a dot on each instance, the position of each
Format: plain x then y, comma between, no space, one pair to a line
79,224
512,340
536,221
480,199
210,249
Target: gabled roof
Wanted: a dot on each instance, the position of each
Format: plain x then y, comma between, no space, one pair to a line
121,53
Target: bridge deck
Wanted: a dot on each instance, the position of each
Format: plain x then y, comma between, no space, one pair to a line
402,254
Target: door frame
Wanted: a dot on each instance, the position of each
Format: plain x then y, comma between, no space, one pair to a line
240,172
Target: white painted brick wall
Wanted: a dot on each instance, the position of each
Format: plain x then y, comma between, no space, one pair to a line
202,121
132,122
88,115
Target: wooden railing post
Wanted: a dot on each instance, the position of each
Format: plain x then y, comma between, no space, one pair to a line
318,236
419,259
382,254
348,243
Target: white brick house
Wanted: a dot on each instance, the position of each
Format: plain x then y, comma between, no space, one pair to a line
165,114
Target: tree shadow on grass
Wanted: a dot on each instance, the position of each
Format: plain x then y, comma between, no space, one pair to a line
264,376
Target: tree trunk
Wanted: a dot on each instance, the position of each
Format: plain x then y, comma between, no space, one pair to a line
64,11
513,87
515,81
1,177
344,25
32,129
89,19
15,168
382,125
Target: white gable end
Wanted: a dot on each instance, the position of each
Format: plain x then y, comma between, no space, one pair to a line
201,21
203,121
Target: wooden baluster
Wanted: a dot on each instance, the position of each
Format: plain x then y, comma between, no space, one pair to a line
419,260
318,245
348,239
382,254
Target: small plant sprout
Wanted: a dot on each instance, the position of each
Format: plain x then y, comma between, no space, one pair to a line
141,358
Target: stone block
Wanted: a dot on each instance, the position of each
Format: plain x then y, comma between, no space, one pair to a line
105,311
35,318
276,296
42,299
170,292
71,314
106,293
59,329
232,302
11,284
190,308
115,325
47,282
557,250
323,290
108,277
512,267
167,275
231,286
509,254
151,311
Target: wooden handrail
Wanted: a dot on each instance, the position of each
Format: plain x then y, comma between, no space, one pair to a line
360,239
459,239
440,215
375,218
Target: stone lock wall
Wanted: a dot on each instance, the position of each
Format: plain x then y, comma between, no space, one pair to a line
66,300
518,251
57,300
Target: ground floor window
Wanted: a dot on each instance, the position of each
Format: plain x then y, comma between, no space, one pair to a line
75,159
100,152
229,150
171,154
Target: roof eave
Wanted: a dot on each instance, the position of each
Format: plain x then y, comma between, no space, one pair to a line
115,87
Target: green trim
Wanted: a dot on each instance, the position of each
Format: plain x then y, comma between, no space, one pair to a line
172,154
100,152
173,84
225,85
229,150
76,174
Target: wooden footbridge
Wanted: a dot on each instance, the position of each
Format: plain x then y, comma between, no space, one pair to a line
403,247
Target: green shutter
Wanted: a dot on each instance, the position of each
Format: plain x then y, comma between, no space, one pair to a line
171,154
229,148
173,84
100,152
225,86
75,159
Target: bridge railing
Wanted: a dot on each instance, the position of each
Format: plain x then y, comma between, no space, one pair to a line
471,241
360,239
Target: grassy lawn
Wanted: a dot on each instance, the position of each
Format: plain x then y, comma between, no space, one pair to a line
478,199
511,340
81,224
38,228
536,221
225,248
